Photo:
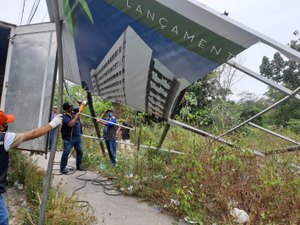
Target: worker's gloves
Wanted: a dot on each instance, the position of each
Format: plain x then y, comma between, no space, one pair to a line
56,121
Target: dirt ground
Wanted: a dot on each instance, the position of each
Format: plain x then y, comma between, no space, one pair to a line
108,210
15,200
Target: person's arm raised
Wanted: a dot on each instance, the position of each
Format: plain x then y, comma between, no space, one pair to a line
73,121
38,132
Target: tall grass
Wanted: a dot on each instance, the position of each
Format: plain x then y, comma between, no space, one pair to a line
61,210
210,178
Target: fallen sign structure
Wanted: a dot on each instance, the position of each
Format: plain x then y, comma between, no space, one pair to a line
146,53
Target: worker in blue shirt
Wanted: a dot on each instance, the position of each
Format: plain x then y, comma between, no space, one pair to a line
110,133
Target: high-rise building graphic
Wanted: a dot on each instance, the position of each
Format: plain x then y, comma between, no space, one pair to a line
128,75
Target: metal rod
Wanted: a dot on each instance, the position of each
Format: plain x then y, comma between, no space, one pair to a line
162,149
134,145
262,112
52,97
92,111
138,149
117,124
283,150
163,135
174,86
198,131
167,126
262,79
274,133
67,90
47,177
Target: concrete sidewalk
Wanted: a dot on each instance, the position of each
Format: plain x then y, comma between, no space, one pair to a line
108,210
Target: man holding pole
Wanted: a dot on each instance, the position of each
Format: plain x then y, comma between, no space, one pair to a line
71,135
110,133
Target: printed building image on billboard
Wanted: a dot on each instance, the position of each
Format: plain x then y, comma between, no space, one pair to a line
158,88
128,75
143,53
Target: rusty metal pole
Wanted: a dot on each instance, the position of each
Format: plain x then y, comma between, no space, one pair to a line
47,177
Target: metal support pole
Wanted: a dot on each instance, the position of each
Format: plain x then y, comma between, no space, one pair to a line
68,92
47,177
262,112
167,126
284,150
198,131
52,97
262,79
138,150
91,107
163,135
274,133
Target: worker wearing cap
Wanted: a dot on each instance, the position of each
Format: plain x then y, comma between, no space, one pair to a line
110,133
10,140
71,135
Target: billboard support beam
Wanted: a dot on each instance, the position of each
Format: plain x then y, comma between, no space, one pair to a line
93,114
48,175
274,133
262,79
167,126
283,150
52,97
198,131
261,112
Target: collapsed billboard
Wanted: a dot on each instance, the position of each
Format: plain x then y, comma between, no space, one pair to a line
143,53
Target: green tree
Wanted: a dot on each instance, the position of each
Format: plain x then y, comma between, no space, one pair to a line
197,98
287,73
249,106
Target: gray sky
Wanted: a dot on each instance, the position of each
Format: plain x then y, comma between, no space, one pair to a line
276,19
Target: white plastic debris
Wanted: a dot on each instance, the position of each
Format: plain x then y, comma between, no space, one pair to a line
190,220
174,202
20,187
240,215
159,177
130,188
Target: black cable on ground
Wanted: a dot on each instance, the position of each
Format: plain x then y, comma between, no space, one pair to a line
107,185
84,179
85,182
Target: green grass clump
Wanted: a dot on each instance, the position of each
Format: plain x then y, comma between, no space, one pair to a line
60,210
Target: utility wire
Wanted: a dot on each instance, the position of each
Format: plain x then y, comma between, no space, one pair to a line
33,10
23,8
44,16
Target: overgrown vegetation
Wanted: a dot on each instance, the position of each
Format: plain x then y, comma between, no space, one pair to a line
209,178
60,209
205,182
202,183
